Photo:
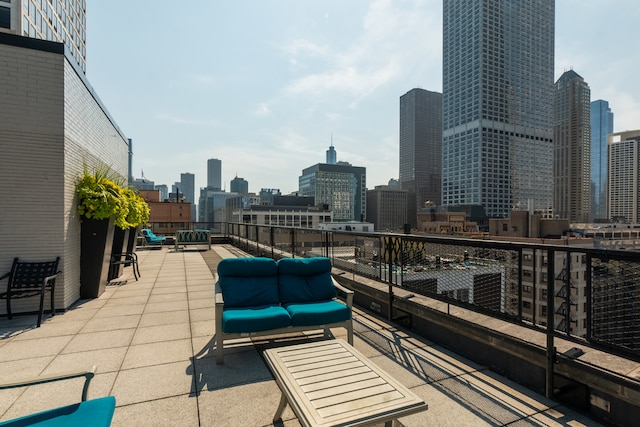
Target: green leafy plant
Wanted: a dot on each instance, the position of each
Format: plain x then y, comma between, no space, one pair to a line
101,195
137,209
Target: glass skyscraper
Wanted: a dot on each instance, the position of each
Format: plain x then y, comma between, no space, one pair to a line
572,142
601,126
498,59
420,149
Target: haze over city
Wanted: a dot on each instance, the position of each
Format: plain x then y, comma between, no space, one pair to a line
267,86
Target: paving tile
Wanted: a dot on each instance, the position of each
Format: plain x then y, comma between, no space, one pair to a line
171,411
157,353
105,360
130,300
168,297
166,306
27,349
111,323
161,333
53,330
120,311
264,397
23,368
200,314
99,340
239,368
152,383
164,318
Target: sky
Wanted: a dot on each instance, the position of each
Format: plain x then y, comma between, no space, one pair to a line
268,86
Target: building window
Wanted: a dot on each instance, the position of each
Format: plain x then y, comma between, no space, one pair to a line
5,17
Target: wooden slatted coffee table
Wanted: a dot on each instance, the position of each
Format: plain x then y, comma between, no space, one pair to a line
330,383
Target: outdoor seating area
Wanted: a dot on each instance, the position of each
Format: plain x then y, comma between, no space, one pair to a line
192,237
150,239
259,296
153,344
31,279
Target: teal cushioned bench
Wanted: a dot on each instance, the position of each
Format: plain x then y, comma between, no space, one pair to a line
259,296
90,413
87,413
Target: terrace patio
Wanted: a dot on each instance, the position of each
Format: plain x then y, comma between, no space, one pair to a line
152,343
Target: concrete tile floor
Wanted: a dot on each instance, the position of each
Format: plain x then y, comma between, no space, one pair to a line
151,341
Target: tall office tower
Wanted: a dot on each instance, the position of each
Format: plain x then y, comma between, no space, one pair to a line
341,187
498,104
623,170
420,149
62,21
331,155
572,149
188,186
601,127
239,185
214,174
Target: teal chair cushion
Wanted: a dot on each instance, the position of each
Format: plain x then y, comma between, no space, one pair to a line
305,280
254,319
248,282
318,313
90,413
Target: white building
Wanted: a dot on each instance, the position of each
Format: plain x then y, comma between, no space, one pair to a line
52,125
623,166
61,21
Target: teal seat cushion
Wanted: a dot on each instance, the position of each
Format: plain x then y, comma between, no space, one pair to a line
318,313
248,282
90,413
254,319
305,280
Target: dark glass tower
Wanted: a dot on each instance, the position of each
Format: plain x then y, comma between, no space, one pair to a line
601,126
420,149
572,152
498,60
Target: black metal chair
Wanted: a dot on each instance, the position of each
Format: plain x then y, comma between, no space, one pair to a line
28,279
128,259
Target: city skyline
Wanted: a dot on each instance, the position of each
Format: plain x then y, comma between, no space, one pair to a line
267,101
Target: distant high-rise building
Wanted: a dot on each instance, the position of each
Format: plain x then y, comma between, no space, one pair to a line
420,149
623,170
572,149
387,208
188,186
214,174
239,185
164,191
61,21
497,115
341,187
601,127
331,155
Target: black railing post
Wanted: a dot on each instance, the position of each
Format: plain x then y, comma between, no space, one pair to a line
588,296
272,241
551,352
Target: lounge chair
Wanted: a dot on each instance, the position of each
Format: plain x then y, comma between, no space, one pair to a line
29,279
151,239
88,413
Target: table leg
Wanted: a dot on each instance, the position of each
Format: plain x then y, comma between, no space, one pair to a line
283,403
388,423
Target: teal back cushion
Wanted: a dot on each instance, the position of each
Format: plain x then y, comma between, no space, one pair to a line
248,282
305,280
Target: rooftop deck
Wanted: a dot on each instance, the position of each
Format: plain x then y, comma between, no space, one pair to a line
152,343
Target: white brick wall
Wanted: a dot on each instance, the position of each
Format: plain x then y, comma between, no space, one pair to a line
50,126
